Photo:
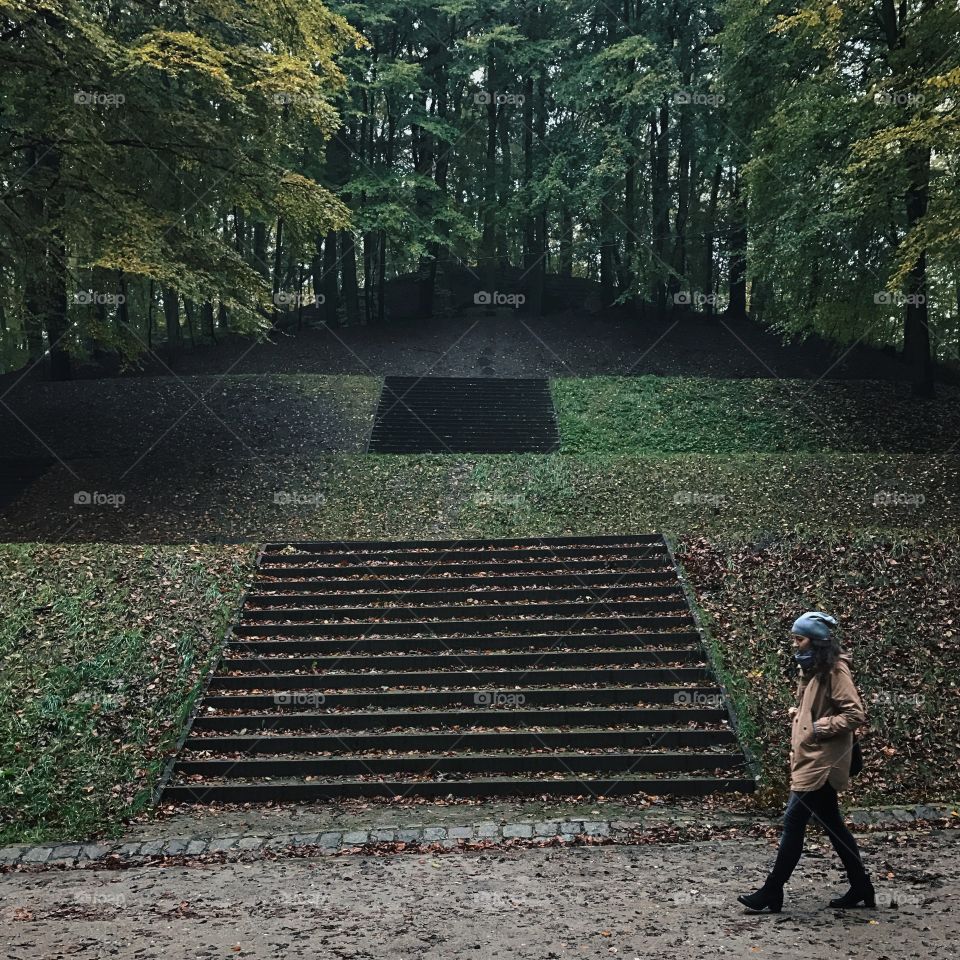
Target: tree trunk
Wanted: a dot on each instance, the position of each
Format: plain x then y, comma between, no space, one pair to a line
316,269
277,284
709,238
488,240
630,222
443,163
188,310
916,330
608,292
61,367
893,18
260,250
369,262
540,239
427,266
150,307
660,193
530,251
440,162
123,305
331,305
737,306
299,297
683,203
239,232
504,181
424,150
348,266
171,314
45,284
206,320
566,242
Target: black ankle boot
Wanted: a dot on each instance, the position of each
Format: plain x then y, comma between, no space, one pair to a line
857,892
770,895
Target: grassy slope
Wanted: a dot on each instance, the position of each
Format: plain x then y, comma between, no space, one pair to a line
232,415
786,517
102,648
609,415
722,495
82,734
898,603
433,495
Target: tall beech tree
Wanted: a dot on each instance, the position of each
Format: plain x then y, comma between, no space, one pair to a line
128,133
172,173
850,110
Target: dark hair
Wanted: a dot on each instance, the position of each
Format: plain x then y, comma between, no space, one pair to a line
826,653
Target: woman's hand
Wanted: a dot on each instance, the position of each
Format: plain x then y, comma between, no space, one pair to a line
820,729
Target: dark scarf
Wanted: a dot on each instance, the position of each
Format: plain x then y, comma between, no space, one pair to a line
805,659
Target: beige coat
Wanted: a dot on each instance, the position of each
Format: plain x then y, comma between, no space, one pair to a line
829,711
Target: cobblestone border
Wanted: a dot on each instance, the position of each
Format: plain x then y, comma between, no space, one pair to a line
332,841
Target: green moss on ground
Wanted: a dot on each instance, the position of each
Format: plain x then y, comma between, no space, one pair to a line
430,496
783,495
897,599
649,414
103,648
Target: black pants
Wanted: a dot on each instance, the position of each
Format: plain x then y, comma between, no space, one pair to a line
823,805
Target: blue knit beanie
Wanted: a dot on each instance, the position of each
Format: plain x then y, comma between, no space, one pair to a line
814,625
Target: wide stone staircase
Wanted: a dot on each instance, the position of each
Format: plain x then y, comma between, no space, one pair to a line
475,668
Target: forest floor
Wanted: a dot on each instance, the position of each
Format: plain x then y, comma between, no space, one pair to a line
782,492
569,344
103,650
84,734
263,413
666,901
360,497
164,420
254,457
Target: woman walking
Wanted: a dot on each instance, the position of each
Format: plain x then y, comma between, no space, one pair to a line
829,710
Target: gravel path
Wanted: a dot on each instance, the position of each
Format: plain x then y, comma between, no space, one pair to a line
657,901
